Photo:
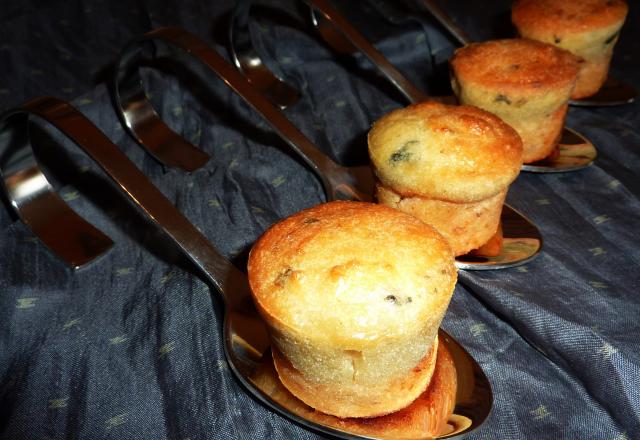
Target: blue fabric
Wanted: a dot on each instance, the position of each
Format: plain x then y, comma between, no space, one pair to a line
129,347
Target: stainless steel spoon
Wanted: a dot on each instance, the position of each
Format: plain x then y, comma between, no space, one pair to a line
248,61
149,130
518,248
34,199
612,93
245,336
575,151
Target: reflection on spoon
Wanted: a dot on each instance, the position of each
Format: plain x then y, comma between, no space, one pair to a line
458,384
574,152
248,61
521,243
612,92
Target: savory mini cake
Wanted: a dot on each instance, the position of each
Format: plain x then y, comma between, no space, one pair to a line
524,82
450,166
353,294
587,28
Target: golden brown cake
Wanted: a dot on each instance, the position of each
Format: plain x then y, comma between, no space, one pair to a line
587,28
450,166
353,295
524,82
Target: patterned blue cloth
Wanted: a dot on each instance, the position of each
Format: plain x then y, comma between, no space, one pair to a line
129,347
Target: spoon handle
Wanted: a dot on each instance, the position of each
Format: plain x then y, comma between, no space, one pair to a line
189,43
67,235
445,20
136,186
248,61
406,87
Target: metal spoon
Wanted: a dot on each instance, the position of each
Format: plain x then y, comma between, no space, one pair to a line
248,61
62,231
245,336
519,247
575,151
474,398
612,92
136,110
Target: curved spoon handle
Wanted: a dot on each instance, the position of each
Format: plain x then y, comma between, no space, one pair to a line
65,233
248,61
133,183
406,87
445,20
134,105
142,121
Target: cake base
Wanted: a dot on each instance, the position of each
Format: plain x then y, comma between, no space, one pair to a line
429,416
493,247
466,226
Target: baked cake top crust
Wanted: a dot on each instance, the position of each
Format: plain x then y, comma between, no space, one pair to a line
567,16
519,64
351,274
445,152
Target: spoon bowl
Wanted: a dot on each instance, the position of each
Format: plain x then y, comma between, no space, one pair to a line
245,336
136,111
574,151
612,93
338,31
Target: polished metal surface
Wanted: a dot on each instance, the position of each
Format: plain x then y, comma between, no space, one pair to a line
337,41
34,199
522,242
612,93
338,182
349,33
245,335
324,17
337,31
443,18
249,62
142,121
574,152
473,398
